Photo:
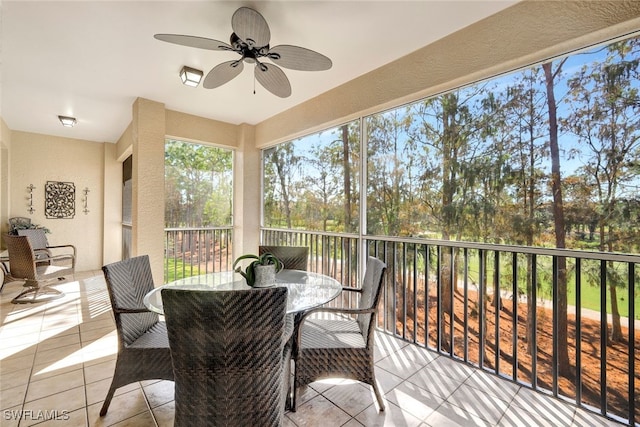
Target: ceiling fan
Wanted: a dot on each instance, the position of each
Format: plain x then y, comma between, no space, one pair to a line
250,39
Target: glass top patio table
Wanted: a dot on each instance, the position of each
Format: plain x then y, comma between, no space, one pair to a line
306,289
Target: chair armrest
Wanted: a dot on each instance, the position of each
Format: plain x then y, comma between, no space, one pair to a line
303,318
64,246
59,258
73,261
131,310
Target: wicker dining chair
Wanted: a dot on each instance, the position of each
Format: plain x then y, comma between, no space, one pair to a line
292,257
42,249
230,356
22,266
143,346
340,343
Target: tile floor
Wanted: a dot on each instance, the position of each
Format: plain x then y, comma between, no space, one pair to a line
57,359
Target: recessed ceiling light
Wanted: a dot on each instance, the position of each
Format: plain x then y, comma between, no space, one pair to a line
190,76
67,121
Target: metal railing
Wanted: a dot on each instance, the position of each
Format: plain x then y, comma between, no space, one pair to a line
499,309
194,251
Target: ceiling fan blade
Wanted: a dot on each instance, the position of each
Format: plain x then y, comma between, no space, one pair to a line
222,73
251,27
299,58
194,41
273,79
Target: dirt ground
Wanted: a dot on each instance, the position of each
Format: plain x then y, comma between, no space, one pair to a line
617,353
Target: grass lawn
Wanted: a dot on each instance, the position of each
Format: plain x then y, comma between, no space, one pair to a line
175,269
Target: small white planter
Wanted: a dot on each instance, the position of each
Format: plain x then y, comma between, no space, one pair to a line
265,276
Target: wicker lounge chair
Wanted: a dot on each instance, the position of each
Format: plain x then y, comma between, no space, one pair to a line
22,266
143,346
340,344
38,239
230,356
293,257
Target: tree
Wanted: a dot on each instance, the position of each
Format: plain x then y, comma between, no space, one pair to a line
606,119
197,185
564,367
525,116
280,165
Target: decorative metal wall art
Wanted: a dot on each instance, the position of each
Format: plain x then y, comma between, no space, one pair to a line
31,210
60,199
85,200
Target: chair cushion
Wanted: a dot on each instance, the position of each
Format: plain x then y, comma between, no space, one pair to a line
331,333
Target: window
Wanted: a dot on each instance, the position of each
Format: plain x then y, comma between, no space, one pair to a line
478,163
198,185
312,183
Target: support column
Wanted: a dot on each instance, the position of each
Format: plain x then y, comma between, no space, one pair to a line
247,193
148,183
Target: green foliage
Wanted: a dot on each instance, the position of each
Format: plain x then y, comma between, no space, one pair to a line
13,228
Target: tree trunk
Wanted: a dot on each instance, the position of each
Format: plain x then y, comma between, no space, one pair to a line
564,367
616,326
283,186
347,178
449,106
616,330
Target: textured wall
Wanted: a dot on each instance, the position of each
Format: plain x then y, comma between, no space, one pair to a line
36,159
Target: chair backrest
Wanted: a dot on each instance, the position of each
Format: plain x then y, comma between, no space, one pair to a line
293,257
226,348
37,237
371,290
18,222
22,261
128,281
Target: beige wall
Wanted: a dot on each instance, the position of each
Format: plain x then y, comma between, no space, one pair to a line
36,159
193,128
5,144
112,202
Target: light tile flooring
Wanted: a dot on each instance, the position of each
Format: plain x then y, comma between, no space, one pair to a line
57,359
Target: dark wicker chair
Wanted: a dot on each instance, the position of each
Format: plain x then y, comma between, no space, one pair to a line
143,346
293,257
340,343
38,239
22,266
230,356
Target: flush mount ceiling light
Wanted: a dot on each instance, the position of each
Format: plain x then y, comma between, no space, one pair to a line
190,76
67,121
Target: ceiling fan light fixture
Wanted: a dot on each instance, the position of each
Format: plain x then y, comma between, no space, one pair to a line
67,121
249,39
190,76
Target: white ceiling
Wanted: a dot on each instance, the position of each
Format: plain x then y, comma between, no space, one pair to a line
92,59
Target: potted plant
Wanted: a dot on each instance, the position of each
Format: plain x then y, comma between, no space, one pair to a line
261,272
